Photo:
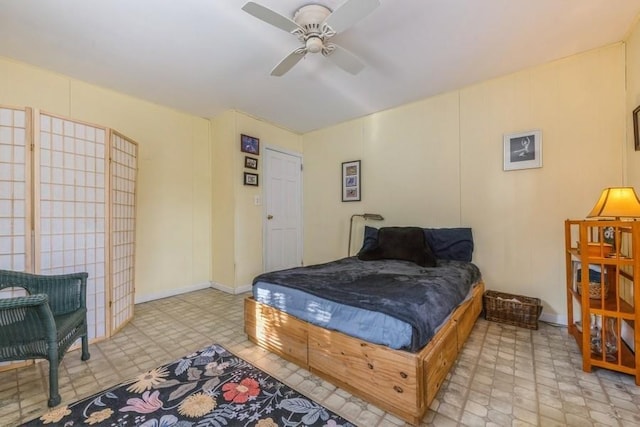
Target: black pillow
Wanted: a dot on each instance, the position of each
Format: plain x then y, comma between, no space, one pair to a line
404,243
445,243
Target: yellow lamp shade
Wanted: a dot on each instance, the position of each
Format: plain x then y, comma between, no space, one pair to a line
617,202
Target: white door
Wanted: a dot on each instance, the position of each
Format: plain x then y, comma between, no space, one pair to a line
283,210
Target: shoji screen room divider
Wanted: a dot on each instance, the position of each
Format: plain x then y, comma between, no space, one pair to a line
67,204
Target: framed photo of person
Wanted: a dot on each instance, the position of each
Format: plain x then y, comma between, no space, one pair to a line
249,144
522,150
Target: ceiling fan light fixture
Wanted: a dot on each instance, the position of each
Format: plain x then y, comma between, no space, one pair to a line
314,44
313,25
311,16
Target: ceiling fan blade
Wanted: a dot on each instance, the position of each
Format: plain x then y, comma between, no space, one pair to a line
344,59
270,17
288,62
350,12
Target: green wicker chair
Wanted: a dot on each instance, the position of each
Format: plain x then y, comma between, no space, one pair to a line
44,324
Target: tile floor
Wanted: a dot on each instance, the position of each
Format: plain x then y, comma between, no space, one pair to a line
505,376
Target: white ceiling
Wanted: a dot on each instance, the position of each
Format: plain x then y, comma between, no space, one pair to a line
208,56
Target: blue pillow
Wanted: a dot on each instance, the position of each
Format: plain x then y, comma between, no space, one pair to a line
450,243
445,243
370,240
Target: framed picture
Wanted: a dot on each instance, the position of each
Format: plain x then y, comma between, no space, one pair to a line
251,179
250,162
351,185
249,144
636,131
523,150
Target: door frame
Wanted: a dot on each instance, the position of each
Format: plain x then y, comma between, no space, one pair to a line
265,172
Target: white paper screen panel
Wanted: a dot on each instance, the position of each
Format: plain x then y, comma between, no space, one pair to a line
70,160
14,192
123,196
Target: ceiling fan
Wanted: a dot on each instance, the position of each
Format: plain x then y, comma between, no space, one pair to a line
314,25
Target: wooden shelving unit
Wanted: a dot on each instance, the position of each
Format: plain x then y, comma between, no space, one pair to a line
603,292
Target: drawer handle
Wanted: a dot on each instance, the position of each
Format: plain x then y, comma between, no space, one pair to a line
403,375
398,389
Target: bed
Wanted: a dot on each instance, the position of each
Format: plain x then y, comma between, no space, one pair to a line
398,372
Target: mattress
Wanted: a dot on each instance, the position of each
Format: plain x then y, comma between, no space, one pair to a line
389,302
369,325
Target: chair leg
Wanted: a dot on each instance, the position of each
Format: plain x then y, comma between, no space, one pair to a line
85,347
54,395
54,401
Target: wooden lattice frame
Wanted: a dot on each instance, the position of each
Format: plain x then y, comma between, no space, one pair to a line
71,207
74,185
15,198
15,193
124,153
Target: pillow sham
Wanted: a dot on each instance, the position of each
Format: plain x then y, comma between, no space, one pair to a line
450,243
403,243
445,243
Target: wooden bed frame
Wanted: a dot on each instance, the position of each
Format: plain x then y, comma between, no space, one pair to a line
397,381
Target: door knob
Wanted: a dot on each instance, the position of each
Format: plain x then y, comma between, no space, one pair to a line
269,216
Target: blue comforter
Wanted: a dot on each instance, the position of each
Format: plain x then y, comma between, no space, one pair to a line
420,296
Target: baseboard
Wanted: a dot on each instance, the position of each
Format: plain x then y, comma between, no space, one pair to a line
554,318
230,290
171,292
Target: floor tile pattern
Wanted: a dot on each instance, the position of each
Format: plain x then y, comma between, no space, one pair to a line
504,376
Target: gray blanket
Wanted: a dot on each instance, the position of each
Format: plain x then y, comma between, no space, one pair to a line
420,296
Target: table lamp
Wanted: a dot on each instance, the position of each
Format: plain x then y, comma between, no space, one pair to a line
616,202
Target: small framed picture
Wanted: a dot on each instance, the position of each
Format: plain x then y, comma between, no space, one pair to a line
351,184
251,179
636,131
249,144
522,150
250,162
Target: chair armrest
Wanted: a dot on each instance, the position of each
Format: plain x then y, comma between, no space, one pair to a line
66,292
30,313
21,302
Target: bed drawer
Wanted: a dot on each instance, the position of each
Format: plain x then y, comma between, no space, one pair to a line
279,333
465,317
387,377
439,361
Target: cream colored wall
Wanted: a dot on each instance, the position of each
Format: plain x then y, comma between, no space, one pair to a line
174,176
325,218
223,200
633,101
237,220
517,216
438,162
404,153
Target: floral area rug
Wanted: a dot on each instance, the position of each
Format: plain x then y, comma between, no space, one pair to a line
209,388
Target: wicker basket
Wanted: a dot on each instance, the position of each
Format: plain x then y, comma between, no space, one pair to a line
512,309
594,290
